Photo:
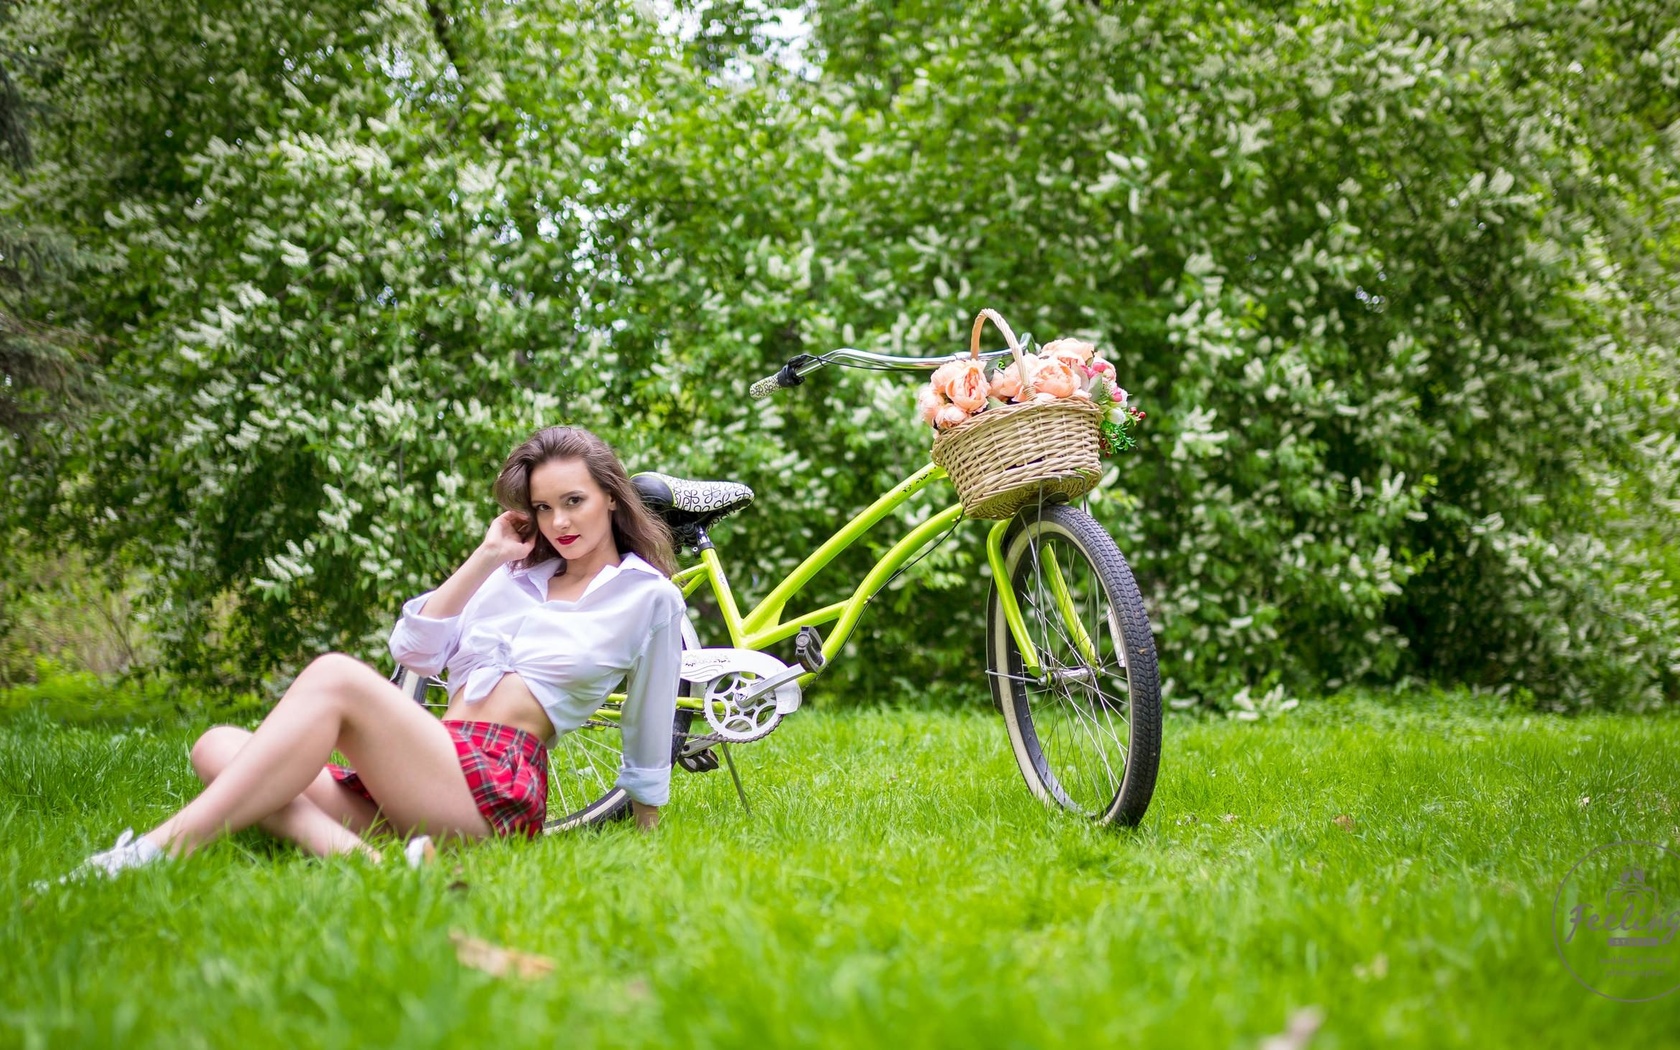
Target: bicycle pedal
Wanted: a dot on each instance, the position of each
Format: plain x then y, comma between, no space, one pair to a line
808,650
699,762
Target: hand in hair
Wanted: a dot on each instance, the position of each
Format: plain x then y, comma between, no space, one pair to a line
509,538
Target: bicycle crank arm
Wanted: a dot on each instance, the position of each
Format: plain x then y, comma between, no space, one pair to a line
705,666
773,683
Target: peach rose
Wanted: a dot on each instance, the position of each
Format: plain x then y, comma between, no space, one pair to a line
1076,351
1055,378
1007,383
1074,354
928,404
948,417
967,387
944,376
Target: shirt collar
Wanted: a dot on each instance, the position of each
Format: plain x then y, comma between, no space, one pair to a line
540,575
635,561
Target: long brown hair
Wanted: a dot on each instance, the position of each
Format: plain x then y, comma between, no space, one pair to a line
634,528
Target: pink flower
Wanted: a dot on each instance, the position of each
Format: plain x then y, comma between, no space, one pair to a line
966,384
1078,349
928,404
1007,383
948,417
1055,378
1099,367
944,376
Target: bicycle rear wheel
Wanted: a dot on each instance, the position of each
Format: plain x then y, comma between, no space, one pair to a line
1086,729
583,766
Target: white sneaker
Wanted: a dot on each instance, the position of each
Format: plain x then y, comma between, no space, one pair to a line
129,852
419,851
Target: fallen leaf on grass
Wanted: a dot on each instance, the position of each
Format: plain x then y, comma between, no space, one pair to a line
1229,818
1343,821
1584,800
1303,1025
1375,971
498,961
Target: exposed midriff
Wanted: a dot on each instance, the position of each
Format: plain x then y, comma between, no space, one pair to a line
510,703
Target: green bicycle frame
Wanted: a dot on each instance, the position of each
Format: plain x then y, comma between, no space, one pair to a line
763,625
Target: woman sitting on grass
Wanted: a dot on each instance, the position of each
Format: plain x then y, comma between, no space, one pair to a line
536,628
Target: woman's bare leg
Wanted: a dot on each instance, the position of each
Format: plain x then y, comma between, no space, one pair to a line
405,756
326,819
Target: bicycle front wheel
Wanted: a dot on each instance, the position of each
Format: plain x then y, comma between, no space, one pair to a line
1084,716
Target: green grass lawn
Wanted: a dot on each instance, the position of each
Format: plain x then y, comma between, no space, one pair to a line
1392,866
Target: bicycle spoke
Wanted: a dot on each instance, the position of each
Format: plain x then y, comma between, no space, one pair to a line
1090,731
1096,730
583,766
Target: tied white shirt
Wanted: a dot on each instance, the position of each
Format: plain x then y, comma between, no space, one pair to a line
625,627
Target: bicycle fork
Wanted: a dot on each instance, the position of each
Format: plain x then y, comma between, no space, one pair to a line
1051,569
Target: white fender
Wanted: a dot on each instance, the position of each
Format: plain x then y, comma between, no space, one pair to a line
701,666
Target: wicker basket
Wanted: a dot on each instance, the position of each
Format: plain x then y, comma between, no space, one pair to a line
1007,457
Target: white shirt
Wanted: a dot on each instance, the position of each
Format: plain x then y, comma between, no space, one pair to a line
626,627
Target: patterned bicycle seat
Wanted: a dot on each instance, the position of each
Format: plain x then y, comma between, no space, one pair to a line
689,506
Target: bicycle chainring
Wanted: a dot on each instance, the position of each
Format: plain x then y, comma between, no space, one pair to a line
731,716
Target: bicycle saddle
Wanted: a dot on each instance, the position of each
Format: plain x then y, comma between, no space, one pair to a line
689,507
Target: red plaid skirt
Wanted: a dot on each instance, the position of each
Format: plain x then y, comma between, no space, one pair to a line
506,768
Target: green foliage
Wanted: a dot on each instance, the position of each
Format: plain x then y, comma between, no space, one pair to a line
82,698
40,360
1395,283
56,612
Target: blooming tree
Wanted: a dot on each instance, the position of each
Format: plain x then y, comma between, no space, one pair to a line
1395,280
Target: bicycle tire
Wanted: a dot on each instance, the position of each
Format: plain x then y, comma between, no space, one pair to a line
583,767
1086,738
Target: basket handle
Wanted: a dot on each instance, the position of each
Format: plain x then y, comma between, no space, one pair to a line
993,316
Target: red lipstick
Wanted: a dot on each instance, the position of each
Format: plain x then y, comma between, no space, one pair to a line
567,539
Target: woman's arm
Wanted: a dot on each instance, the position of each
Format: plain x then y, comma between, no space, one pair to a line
427,633
501,545
650,705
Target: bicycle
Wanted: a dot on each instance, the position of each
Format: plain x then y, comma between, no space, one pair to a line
1070,654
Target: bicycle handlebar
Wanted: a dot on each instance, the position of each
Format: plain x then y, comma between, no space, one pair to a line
794,372
790,375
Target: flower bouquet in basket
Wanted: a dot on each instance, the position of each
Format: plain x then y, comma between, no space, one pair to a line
1033,429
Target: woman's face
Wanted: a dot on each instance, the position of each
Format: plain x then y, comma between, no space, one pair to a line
573,511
